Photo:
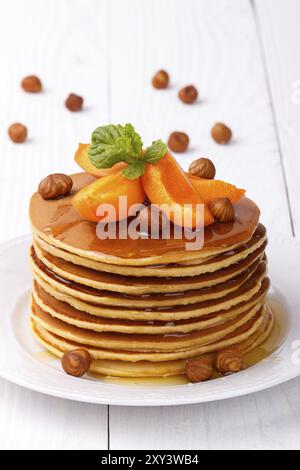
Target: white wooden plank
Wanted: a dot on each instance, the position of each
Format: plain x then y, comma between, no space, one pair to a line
65,42
62,42
30,420
278,22
265,420
215,46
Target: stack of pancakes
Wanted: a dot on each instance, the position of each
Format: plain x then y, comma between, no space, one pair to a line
143,308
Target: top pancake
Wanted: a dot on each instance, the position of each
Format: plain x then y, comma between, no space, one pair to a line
58,224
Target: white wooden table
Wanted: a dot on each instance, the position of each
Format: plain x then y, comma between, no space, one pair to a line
244,58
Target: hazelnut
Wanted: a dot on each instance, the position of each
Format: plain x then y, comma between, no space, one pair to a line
76,362
188,94
229,360
74,102
221,133
178,141
17,132
55,186
31,84
153,219
204,168
222,209
161,79
199,369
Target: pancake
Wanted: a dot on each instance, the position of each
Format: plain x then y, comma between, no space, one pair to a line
143,307
107,297
128,367
139,342
68,314
192,267
144,285
59,225
161,313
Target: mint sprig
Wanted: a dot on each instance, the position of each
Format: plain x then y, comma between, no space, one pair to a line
115,143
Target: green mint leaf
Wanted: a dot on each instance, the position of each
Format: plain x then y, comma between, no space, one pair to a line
155,152
114,143
135,139
134,170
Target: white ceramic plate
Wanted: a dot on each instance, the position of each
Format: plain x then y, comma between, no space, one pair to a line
22,361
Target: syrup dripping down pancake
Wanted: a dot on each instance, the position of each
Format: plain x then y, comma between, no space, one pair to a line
59,225
141,285
192,267
68,314
143,307
144,368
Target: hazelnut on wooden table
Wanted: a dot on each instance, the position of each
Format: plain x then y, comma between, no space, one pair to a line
161,79
222,209
55,186
76,362
199,369
17,132
229,360
203,167
188,94
31,84
221,133
74,102
178,141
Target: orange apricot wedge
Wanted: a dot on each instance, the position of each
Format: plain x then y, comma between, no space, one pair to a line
209,190
107,190
165,183
82,159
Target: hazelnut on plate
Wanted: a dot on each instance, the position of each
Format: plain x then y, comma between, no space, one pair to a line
188,94
229,360
55,186
222,209
74,102
178,141
203,168
31,84
161,79
17,132
76,362
221,133
199,369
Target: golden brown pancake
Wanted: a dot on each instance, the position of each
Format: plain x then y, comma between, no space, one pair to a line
57,222
68,314
143,307
145,368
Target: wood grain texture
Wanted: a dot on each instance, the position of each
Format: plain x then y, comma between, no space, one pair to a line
215,46
61,42
278,23
64,42
31,421
264,420
107,51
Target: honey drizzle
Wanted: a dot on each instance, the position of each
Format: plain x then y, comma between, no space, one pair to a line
250,359
58,219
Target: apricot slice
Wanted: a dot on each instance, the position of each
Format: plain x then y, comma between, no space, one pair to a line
209,190
166,183
107,190
82,159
